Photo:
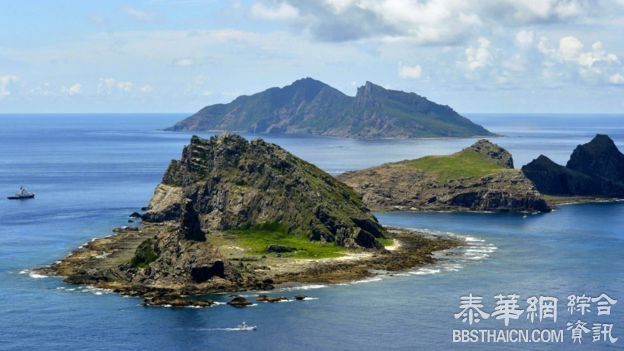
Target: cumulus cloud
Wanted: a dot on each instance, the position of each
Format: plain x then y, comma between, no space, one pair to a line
480,56
109,86
281,11
570,58
5,84
616,79
570,48
424,21
409,72
72,90
525,38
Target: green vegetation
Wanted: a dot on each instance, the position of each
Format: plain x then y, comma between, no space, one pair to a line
463,164
144,254
386,241
259,237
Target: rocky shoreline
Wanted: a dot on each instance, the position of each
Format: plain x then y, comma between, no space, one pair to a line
99,263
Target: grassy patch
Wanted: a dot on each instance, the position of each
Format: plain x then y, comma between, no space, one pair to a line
258,238
463,164
386,241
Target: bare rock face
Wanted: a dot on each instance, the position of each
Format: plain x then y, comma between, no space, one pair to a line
190,226
594,169
478,178
231,183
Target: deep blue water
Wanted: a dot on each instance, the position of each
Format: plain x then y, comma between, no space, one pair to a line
91,171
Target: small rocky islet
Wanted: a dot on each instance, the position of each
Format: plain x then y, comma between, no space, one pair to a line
236,215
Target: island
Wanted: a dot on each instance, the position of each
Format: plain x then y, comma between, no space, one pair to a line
233,215
478,178
595,171
311,107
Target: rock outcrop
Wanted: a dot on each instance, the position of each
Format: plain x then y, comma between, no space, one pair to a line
308,106
594,169
478,178
232,183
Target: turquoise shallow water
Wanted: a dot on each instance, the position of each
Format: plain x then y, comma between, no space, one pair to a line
91,171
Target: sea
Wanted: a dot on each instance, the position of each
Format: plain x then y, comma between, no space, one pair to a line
90,171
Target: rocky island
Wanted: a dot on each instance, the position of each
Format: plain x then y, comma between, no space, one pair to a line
311,107
478,178
595,170
235,215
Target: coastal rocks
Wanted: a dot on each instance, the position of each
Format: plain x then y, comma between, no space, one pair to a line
266,298
478,178
239,301
594,169
173,300
231,183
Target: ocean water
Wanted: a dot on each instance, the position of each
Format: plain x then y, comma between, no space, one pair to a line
90,171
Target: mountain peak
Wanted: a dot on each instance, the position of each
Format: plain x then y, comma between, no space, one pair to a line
233,184
600,157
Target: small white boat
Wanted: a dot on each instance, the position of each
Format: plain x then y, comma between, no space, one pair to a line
246,327
21,194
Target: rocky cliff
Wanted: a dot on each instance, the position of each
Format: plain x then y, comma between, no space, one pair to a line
232,183
478,178
594,169
311,107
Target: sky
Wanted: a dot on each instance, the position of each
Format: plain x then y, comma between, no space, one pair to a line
506,56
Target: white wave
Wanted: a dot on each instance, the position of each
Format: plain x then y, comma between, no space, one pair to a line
310,298
94,290
473,239
304,287
425,271
368,280
32,274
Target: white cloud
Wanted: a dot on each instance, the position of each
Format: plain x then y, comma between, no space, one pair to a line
5,84
616,78
480,56
146,89
72,90
423,21
570,59
109,86
525,38
570,48
409,72
283,11
184,62
597,55
138,15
